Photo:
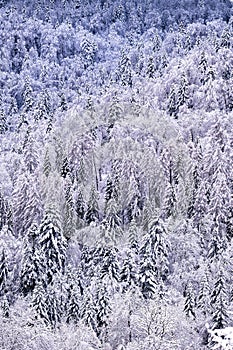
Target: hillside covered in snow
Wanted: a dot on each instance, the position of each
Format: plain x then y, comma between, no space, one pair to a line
116,153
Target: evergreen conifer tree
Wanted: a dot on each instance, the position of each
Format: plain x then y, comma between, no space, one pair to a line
189,307
38,303
52,242
4,274
103,310
92,213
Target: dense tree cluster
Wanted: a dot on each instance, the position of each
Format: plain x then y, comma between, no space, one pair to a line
116,219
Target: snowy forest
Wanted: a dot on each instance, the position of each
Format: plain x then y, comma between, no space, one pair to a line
116,181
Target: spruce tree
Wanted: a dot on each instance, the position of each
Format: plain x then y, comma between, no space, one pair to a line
88,310
53,306
103,310
220,302
4,274
150,72
147,277
182,93
80,205
73,305
92,213
112,221
38,303
109,265
125,70
153,258
172,106
5,307
128,276
4,209
33,264
52,242
189,307
203,299
47,167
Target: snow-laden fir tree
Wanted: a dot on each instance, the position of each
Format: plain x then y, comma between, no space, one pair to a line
103,310
38,303
88,310
128,275
189,306
52,242
33,267
92,213
4,274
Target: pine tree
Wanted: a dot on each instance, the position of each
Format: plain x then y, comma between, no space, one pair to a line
52,242
203,64
226,39
129,272
103,310
80,205
88,310
47,167
203,299
220,317
147,278
3,120
38,303
69,211
172,106
53,306
4,274
109,190
88,50
43,109
73,305
33,265
153,258
115,111
28,98
157,244
27,204
150,72
189,307
4,209
63,102
65,167
133,235
134,199
5,307
112,221
169,204
31,156
110,270
182,93
219,302
125,70
92,213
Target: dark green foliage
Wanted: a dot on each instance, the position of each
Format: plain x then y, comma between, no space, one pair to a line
92,213
220,302
5,307
4,274
129,272
80,205
103,310
73,306
189,307
33,269
52,243
88,310
39,304
65,168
